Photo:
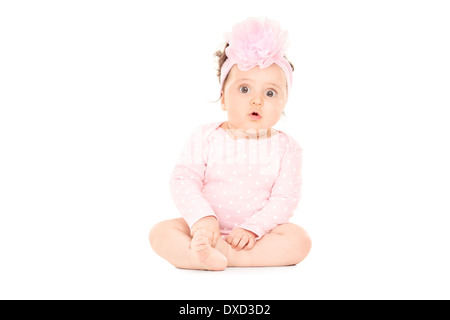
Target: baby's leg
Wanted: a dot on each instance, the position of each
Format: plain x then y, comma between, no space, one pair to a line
287,244
172,241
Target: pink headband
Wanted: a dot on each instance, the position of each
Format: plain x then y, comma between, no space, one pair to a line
256,42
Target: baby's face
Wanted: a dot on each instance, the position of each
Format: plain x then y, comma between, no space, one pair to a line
254,99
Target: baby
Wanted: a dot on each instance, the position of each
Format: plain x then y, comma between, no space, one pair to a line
238,182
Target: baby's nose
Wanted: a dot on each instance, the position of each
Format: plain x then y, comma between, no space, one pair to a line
257,101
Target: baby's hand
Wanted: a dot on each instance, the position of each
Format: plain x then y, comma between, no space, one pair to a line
211,226
241,239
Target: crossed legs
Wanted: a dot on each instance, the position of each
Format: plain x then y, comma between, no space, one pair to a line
287,244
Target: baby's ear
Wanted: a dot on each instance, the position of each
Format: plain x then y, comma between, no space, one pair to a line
222,101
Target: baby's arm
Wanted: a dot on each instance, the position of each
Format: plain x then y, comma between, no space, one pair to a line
186,182
284,197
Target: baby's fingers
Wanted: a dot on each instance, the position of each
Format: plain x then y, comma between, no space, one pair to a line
251,243
229,239
211,239
242,242
236,240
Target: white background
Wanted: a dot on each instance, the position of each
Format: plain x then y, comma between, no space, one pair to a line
97,99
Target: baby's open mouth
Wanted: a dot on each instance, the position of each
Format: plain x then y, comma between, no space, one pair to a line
255,115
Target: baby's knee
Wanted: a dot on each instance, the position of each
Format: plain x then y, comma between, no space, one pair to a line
156,231
302,242
162,229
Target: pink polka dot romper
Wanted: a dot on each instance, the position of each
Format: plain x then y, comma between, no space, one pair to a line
252,184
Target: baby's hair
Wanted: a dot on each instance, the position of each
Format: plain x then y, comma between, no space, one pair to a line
222,57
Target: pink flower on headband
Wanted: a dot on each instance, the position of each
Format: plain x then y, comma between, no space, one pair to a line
256,42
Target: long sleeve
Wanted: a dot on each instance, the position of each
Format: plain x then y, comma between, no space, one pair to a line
186,181
284,197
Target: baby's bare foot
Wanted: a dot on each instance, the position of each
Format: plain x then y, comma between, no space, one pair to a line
209,257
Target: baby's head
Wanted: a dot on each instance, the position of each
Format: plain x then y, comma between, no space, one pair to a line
254,74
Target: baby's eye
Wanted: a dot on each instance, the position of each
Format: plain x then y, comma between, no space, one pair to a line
271,93
244,89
